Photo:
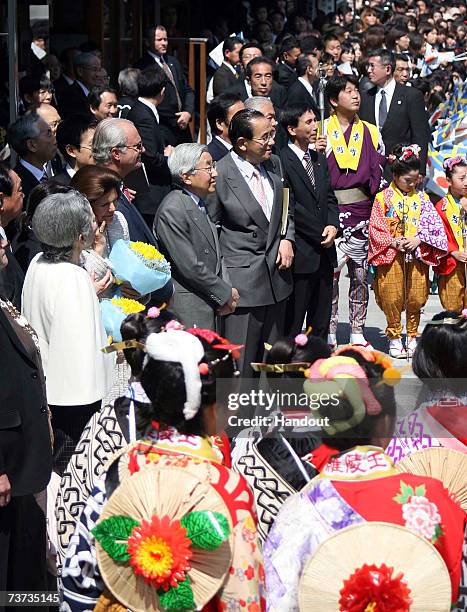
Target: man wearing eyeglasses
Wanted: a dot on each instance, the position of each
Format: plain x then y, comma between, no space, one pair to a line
189,240
256,239
398,111
75,99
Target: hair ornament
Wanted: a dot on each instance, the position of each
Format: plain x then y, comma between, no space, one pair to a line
391,158
124,344
461,319
451,163
179,346
408,151
302,339
391,375
155,312
173,325
223,344
281,368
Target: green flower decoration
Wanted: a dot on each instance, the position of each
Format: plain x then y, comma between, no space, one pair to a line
206,530
112,534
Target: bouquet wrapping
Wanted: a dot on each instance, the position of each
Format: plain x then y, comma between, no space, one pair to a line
114,312
139,264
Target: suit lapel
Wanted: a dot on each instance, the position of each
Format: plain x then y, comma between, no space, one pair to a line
371,106
276,213
301,172
244,195
200,219
397,101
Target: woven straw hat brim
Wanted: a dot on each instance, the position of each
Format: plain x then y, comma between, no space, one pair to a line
447,465
173,492
337,558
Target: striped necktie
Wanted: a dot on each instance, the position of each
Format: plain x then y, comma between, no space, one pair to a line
170,76
309,168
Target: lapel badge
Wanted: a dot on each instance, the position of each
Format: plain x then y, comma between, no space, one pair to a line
399,101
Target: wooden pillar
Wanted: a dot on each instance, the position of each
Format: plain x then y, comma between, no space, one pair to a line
192,81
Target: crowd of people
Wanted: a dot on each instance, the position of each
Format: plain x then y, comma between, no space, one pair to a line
319,135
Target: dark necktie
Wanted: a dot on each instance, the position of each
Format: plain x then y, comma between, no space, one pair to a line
383,109
170,76
309,168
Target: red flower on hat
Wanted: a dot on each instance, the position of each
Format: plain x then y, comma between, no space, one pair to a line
160,552
374,589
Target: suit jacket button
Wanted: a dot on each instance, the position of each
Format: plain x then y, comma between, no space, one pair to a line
255,235
44,409
34,375
206,251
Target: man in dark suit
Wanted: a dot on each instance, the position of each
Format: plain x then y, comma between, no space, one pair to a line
189,240
34,142
256,245
177,108
259,82
75,99
118,146
226,75
152,84
316,224
68,76
220,112
11,207
304,90
128,90
285,73
397,110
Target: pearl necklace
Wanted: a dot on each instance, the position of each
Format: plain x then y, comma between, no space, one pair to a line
20,320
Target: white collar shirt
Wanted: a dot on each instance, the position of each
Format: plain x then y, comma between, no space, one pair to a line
389,89
38,173
151,106
83,87
224,143
230,67
247,171
307,85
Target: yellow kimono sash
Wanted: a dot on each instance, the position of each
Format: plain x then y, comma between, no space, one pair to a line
348,156
456,219
406,207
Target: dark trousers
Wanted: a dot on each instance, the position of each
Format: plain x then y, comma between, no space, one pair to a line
68,423
311,296
22,546
253,327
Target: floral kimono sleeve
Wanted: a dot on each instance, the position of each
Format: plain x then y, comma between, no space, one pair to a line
244,586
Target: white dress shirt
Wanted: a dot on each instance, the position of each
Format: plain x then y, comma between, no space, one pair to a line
299,153
151,106
38,173
69,170
224,143
247,171
307,85
230,67
156,57
389,91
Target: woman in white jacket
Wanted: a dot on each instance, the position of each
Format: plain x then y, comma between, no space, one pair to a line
61,304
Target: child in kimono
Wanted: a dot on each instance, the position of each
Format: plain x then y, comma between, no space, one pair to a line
406,236
452,210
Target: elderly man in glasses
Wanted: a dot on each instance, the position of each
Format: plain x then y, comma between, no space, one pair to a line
188,238
256,234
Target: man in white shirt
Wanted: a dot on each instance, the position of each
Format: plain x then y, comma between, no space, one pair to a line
220,113
34,142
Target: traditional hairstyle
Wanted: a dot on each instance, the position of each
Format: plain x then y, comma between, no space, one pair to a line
404,159
287,351
452,163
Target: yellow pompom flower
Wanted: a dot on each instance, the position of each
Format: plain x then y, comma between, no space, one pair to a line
127,306
147,251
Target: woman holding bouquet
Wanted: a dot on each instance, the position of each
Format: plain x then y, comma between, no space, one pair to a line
406,236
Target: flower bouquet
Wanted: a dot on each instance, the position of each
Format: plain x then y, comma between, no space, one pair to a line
114,312
139,264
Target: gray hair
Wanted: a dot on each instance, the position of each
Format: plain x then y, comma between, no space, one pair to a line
183,159
108,135
127,82
256,103
23,129
58,222
83,59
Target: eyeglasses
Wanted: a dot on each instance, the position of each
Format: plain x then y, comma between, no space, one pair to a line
86,148
209,169
266,138
137,147
372,66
